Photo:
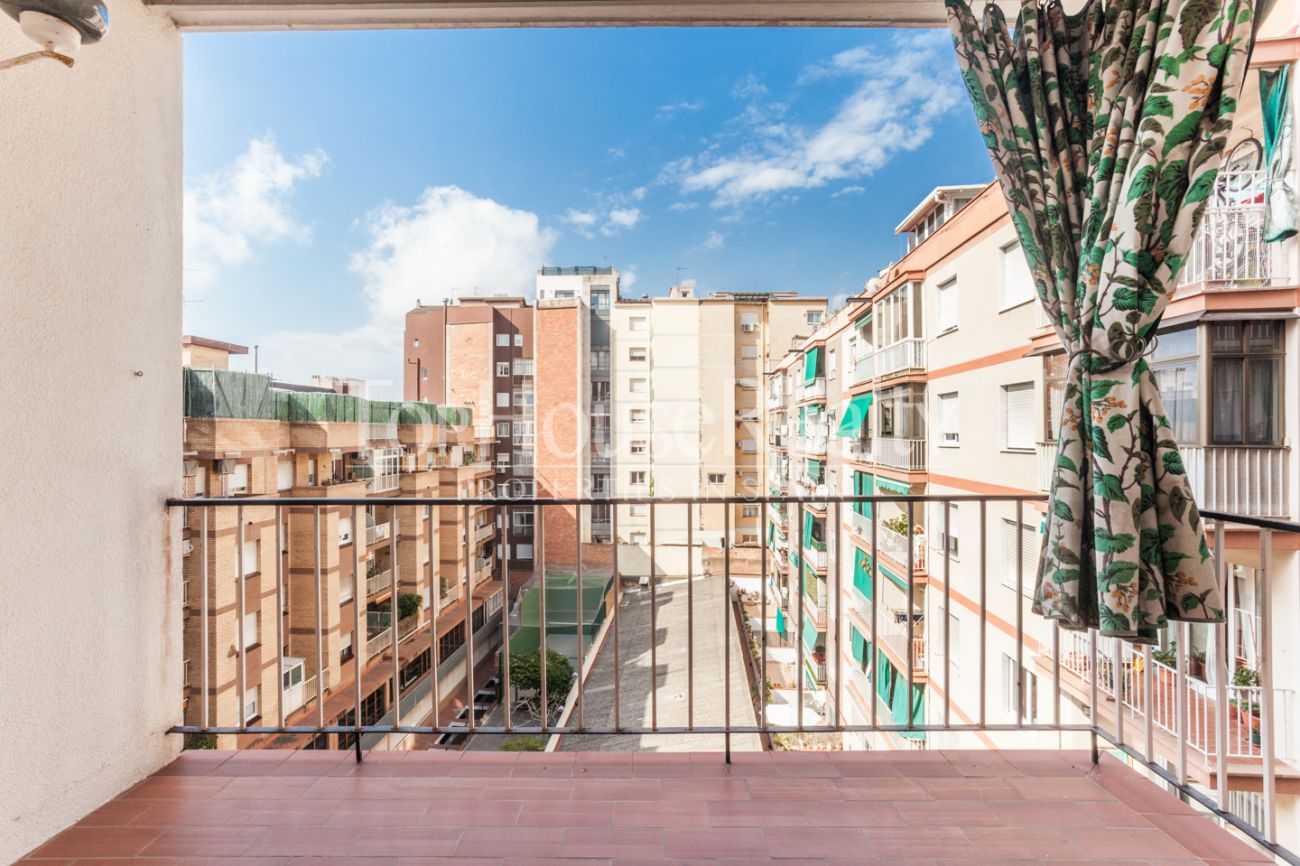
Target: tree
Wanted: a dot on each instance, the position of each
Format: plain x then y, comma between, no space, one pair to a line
526,678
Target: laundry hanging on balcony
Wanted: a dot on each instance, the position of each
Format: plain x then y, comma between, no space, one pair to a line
1279,197
1106,130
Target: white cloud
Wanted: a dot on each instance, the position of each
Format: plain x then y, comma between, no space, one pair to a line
715,241
851,189
902,92
448,244
580,218
621,218
230,213
749,87
638,194
667,112
627,278
612,215
616,153
683,206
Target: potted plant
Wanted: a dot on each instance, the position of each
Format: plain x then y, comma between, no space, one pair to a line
1247,709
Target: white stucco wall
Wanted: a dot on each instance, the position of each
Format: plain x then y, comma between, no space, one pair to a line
90,282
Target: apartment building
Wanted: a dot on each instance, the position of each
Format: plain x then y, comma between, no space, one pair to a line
690,415
949,382
478,352
335,589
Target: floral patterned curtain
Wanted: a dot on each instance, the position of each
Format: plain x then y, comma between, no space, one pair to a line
1106,129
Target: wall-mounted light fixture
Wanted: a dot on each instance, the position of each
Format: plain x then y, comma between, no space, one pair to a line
60,27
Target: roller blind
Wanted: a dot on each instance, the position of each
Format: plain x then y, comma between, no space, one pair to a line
1018,405
946,308
1032,542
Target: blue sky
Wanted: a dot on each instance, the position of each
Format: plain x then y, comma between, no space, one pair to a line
333,178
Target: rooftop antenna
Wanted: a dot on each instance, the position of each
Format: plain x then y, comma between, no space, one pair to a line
680,268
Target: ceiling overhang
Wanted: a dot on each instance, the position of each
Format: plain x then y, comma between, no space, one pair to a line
395,14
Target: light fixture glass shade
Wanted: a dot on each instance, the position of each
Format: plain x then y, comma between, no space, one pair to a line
89,17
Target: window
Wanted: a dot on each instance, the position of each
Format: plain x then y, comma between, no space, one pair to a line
249,560
291,676
1013,704
637,446
311,472
600,298
749,511
1176,366
748,322
345,530
519,341
636,416
638,386
252,703
637,324
600,392
949,426
636,353
503,428
503,399
1017,284
503,340
636,477
415,343
345,648
424,372
1032,542
1245,383
1054,368
503,368
600,359
251,635
639,510
749,353
636,538
946,306
284,475
522,520
239,479
717,478
1018,417
814,317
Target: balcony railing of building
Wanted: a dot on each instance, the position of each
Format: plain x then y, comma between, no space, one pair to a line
894,544
378,532
383,483
1160,717
864,367
379,581
814,390
1229,250
1249,480
905,454
904,355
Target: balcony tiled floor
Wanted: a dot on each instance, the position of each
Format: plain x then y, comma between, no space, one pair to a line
483,808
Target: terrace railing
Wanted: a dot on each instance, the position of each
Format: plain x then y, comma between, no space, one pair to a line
1178,727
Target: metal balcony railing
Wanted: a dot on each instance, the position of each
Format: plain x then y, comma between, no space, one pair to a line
1180,717
379,581
905,454
378,532
864,368
894,545
1229,250
814,390
904,355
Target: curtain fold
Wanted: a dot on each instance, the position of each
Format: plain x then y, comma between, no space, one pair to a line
1106,129
1275,103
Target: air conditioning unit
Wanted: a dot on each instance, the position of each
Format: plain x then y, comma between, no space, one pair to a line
748,327
187,547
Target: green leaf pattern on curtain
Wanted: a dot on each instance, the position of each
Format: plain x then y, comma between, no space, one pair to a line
1106,130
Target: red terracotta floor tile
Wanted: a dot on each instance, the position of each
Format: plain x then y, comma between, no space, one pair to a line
98,842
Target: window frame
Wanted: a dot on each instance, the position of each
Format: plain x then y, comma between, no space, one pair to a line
1245,355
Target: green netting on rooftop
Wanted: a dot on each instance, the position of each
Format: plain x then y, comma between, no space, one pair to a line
227,394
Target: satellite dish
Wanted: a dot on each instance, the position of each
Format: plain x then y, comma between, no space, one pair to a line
61,26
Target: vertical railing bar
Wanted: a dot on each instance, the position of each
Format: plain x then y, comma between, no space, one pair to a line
203,614
726,625
947,612
239,611
1022,704
1148,695
837,564
1221,686
1181,706
358,601
799,636
539,562
984,610
875,602
1094,675
394,612
580,620
469,619
320,617
911,619
435,521
1266,733
654,628
1117,681
762,660
1056,673
503,515
690,619
279,617
618,602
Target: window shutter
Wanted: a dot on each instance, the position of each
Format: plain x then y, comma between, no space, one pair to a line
284,475
947,306
1019,409
1029,571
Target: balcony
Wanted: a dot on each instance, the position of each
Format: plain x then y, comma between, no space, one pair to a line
903,356
894,544
814,390
864,368
1229,250
894,634
380,581
812,444
378,532
383,483
905,454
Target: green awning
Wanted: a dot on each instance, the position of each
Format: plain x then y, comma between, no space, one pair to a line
780,622
807,527
862,573
814,470
854,415
895,579
864,484
811,635
771,533
885,676
858,644
893,486
803,417
811,364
